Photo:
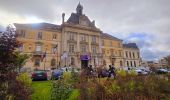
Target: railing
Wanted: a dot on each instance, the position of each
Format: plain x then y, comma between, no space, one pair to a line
83,42
94,43
71,41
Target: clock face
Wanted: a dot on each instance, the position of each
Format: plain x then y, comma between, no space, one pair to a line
83,22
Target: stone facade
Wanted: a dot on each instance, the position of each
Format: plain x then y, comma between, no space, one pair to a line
77,42
131,55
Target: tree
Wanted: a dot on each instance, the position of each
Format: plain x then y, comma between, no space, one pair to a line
20,60
10,87
168,60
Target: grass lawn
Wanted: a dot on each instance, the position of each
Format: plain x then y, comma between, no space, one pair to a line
42,90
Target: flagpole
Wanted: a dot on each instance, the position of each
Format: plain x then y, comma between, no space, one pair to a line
45,59
57,54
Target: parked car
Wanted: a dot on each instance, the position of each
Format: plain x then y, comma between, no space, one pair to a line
103,73
57,73
39,75
141,72
161,71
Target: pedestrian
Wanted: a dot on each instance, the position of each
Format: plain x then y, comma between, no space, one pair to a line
111,71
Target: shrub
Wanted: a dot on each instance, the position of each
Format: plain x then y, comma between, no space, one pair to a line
66,77
25,79
61,90
74,95
121,73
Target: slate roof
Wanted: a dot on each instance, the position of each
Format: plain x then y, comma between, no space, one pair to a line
130,45
39,26
75,18
106,35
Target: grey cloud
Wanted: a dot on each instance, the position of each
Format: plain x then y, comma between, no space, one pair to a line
121,18
2,28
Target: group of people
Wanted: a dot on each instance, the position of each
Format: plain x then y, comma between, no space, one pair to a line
111,71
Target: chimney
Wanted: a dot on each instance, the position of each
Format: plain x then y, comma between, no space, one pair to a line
63,16
93,22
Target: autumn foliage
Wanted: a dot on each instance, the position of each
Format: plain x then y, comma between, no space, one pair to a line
10,87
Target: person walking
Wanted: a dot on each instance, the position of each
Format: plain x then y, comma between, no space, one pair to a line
112,71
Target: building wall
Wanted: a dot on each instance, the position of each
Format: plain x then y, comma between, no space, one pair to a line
79,33
108,51
113,52
132,57
47,42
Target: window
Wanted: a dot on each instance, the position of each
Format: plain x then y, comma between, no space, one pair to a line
71,48
130,54
126,54
120,54
37,62
94,49
135,63
22,33
121,63
94,39
83,38
71,36
38,47
102,42
133,55
111,43
131,63
54,36
83,48
138,55
53,62
72,61
29,47
127,63
39,35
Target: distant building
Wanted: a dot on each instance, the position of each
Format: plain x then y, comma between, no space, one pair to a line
131,55
163,63
151,64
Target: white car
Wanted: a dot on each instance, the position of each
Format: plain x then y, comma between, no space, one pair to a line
141,72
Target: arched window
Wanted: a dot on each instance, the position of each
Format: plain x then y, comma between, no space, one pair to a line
37,62
131,63
127,64
72,61
121,63
135,63
53,62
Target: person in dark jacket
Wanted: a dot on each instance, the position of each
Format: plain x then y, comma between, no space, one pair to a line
112,71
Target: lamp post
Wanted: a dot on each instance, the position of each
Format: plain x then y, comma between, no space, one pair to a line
56,49
44,56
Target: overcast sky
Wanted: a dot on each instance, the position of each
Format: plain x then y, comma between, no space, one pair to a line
146,22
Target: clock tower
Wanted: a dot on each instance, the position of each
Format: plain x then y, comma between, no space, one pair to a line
79,9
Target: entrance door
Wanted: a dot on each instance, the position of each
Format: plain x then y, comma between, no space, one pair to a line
84,63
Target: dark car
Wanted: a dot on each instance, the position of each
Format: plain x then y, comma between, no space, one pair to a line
103,73
39,75
57,73
161,71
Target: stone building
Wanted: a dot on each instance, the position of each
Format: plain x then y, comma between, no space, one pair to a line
131,55
77,42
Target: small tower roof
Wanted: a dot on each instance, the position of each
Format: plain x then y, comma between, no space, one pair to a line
79,9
